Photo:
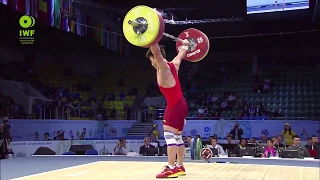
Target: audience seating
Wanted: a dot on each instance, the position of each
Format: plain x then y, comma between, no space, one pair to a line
57,75
294,93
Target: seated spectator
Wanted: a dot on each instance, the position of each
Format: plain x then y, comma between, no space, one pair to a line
276,143
214,144
253,140
232,97
302,151
264,116
120,148
154,141
310,144
269,150
57,137
224,105
62,137
215,98
263,139
242,145
147,149
229,139
201,111
46,137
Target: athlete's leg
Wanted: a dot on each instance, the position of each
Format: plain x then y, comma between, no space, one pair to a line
169,136
180,153
170,170
180,149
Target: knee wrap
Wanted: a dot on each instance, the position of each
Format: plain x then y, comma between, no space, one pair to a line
170,138
179,140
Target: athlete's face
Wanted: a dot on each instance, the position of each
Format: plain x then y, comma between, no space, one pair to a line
153,62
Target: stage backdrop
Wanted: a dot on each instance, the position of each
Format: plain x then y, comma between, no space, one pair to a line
206,128
26,130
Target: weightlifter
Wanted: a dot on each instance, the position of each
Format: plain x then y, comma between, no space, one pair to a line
177,108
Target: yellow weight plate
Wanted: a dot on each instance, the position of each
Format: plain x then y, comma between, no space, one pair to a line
145,39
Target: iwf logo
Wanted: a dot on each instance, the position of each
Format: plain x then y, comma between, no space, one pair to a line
26,33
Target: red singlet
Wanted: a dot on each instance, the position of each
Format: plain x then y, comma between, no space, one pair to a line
177,108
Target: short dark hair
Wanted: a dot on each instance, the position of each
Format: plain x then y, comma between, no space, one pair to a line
214,139
46,134
314,136
242,140
162,51
295,136
270,139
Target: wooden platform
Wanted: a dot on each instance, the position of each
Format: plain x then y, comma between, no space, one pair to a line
109,170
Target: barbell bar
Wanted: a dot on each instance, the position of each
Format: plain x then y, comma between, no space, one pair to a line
138,25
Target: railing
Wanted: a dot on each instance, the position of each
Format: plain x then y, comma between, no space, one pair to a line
56,113
68,114
159,113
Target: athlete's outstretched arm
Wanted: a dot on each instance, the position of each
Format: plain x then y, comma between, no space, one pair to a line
182,53
156,51
177,60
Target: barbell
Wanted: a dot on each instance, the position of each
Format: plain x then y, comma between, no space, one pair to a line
144,27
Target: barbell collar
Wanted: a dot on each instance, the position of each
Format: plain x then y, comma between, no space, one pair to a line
134,23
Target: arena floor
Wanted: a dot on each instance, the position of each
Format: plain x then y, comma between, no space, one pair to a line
145,168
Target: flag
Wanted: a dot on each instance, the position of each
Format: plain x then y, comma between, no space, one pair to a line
71,22
112,41
105,35
57,13
32,7
91,25
79,20
12,4
50,12
115,46
28,7
65,21
100,33
123,42
21,6
95,30
43,11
